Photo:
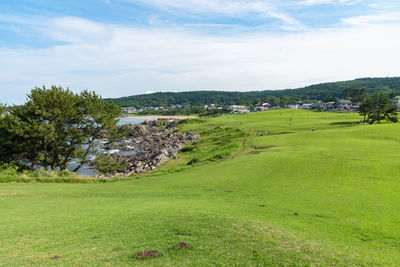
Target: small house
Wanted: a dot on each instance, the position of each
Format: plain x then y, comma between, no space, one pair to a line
239,109
293,106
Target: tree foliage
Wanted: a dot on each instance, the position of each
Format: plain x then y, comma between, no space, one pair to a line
377,108
106,164
54,127
356,95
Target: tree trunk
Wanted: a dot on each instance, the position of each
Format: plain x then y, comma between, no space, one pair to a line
84,157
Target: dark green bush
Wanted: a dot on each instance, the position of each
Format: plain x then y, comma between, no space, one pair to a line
188,149
194,161
106,164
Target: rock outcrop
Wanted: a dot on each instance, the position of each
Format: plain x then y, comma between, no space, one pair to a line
148,145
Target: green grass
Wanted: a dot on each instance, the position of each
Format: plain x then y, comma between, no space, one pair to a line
295,197
10,173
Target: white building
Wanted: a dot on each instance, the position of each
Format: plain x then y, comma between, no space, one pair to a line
294,106
239,109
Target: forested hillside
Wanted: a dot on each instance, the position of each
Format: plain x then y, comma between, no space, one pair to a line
325,91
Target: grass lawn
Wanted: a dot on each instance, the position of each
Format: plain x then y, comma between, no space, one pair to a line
293,197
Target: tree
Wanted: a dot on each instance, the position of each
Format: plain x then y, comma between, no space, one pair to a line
366,108
356,95
329,98
378,108
56,126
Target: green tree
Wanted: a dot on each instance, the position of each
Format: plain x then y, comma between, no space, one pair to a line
378,108
329,98
56,126
356,95
366,108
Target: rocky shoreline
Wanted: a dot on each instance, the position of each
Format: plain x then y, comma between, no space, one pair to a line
148,145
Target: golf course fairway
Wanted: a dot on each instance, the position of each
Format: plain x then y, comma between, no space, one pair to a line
295,197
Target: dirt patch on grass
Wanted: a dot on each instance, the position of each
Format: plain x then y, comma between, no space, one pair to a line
258,150
148,254
182,245
55,258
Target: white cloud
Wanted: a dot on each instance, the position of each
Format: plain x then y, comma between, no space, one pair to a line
321,2
372,19
118,61
226,7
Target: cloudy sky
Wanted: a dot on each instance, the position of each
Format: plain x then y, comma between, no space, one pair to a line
127,47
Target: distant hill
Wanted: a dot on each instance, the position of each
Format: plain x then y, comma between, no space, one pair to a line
388,86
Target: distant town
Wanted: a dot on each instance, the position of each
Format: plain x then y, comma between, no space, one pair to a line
342,105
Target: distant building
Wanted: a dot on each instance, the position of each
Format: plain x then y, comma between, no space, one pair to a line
293,106
239,109
128,110
329,106
344,105
317,105
396,101
306,106
263,107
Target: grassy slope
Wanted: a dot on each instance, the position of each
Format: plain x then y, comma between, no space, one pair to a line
342,181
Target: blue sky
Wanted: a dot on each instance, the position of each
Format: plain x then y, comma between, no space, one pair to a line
127,47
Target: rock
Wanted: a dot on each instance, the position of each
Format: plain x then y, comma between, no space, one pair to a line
156,142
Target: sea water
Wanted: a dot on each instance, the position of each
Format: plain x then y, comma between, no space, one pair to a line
87,170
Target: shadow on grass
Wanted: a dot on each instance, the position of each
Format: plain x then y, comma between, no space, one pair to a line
345,123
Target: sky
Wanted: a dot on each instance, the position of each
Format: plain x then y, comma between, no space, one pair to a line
128,47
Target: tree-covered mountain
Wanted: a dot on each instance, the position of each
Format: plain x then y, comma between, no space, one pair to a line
324,91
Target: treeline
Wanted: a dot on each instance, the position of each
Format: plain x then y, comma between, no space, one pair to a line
325,91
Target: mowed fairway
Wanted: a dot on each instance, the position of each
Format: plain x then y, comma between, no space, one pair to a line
292,197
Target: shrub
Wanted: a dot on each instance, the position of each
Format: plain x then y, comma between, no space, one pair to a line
188,149
194,161
106,164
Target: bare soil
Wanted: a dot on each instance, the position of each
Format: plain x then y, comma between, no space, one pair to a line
148,254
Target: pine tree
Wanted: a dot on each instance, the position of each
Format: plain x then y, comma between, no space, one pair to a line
55,126
378,108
